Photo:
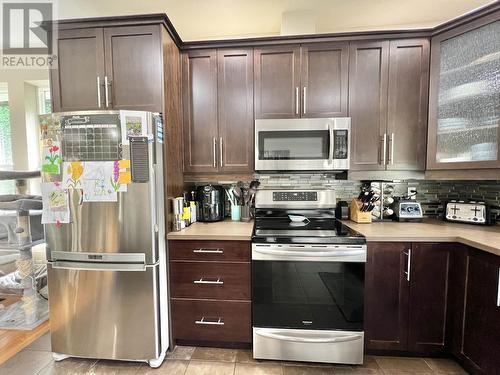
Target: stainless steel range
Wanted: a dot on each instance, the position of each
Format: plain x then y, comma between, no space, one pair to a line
307,280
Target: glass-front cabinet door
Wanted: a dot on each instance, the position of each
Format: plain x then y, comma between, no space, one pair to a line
464,109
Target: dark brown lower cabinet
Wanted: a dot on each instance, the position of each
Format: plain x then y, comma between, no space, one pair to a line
428,283
405,297
386,296
210,293
480,344
228,321
434,299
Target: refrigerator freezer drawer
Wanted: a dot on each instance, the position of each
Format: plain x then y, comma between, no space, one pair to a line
104,313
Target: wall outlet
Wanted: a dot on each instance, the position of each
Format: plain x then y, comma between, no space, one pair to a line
412,192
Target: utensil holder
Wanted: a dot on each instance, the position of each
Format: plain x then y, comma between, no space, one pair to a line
235,212
245,213
357,215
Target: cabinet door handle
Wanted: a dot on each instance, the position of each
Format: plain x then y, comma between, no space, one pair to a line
208,251
220,149
218,322
391,148
384,149
215,152
106,92
211,282
98,92
498,288
408,264
304,99
296,100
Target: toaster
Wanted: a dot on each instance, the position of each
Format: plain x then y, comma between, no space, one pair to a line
468,212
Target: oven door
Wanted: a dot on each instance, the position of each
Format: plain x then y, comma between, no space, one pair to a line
311,287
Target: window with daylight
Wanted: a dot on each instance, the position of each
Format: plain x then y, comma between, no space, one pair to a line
5,130
44,102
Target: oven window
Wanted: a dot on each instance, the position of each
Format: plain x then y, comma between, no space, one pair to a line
308,295
294,145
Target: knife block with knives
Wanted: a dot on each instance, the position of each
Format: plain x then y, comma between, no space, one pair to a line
356,213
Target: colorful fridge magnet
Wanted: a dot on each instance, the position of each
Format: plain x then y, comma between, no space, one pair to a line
51,156
50,126
97,182
121,177
55,204
72,173
133,124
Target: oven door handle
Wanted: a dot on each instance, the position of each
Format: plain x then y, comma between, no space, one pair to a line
309,339
312,254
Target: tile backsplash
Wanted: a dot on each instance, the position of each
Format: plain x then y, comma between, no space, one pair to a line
430,194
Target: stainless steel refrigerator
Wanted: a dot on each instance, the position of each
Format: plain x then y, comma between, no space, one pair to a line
107,273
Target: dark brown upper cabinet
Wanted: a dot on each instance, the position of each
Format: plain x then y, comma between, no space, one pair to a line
133,65
235,110
294,81
407,104
277,82
368,82
388,91
108,68
324,79
218,110
400,313
464,101
77,81
199,82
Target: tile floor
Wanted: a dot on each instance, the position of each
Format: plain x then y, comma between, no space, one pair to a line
36,359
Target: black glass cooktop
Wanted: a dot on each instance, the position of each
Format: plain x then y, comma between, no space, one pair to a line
278,226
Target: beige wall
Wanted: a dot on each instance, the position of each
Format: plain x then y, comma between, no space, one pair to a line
217,19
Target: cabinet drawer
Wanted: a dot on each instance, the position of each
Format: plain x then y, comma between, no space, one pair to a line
210,280
222,251
228,321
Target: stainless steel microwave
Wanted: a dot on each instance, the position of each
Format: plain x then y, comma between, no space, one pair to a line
315,144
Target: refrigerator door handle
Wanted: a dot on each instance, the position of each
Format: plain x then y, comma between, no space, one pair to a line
125,267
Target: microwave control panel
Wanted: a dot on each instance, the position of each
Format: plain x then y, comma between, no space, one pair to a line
340,140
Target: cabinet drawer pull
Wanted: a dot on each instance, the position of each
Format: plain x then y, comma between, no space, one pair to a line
211,282
208,251
408,264
218,322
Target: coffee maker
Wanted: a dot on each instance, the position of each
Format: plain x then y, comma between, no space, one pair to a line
210,203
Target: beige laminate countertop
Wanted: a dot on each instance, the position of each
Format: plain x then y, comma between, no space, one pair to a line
485,238
226,230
